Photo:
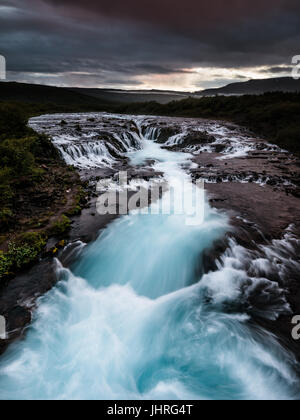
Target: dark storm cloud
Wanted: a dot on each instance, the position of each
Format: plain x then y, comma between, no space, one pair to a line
157,69
176,13
117,41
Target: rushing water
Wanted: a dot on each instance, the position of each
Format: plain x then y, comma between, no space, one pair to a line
136,319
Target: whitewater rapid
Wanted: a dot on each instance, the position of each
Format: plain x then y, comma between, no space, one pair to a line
136,318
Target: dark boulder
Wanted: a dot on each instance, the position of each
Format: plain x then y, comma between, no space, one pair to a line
167,132
196,138
219,148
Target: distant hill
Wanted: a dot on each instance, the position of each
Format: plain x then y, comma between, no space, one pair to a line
39,94
127,96
107,99
82,97
256,87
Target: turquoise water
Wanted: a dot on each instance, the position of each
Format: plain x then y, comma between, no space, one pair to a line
136,319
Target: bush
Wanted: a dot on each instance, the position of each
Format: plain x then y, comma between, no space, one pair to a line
5,265
16,155
22,252
13,123
42,148
75,211
61,227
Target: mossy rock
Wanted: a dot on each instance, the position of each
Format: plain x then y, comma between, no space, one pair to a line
61,227
75,211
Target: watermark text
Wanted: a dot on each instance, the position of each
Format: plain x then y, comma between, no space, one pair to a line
296,68
296,329
2,67
2,328
177,198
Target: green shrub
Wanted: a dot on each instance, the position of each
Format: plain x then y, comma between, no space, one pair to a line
21,255
34,239
6,192
42,148
61,227
22,252
16,154
75,211
5,264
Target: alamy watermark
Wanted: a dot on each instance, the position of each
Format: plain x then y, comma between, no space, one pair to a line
296,329
180,198
296,67
2,67
3,335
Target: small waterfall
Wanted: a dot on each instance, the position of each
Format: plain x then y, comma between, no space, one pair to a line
91,146
96,153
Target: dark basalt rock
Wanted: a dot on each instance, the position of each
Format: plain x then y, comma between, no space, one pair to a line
219,148
166,133
18,317
210,257
16,320
197,137
296,192
18,298
272,182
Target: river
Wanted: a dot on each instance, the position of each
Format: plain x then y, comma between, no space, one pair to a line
135,317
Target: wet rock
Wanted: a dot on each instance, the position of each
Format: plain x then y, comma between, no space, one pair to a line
166,133
210,257
18,298
296,193
272,182
219,148
197,138
16,321
18,318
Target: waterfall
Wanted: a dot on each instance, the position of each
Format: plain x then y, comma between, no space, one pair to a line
136,317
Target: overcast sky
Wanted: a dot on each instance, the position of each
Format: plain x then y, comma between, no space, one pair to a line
137,44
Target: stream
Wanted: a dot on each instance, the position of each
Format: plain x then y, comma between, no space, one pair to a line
135,316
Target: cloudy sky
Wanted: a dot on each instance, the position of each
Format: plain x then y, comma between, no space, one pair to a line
145,44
